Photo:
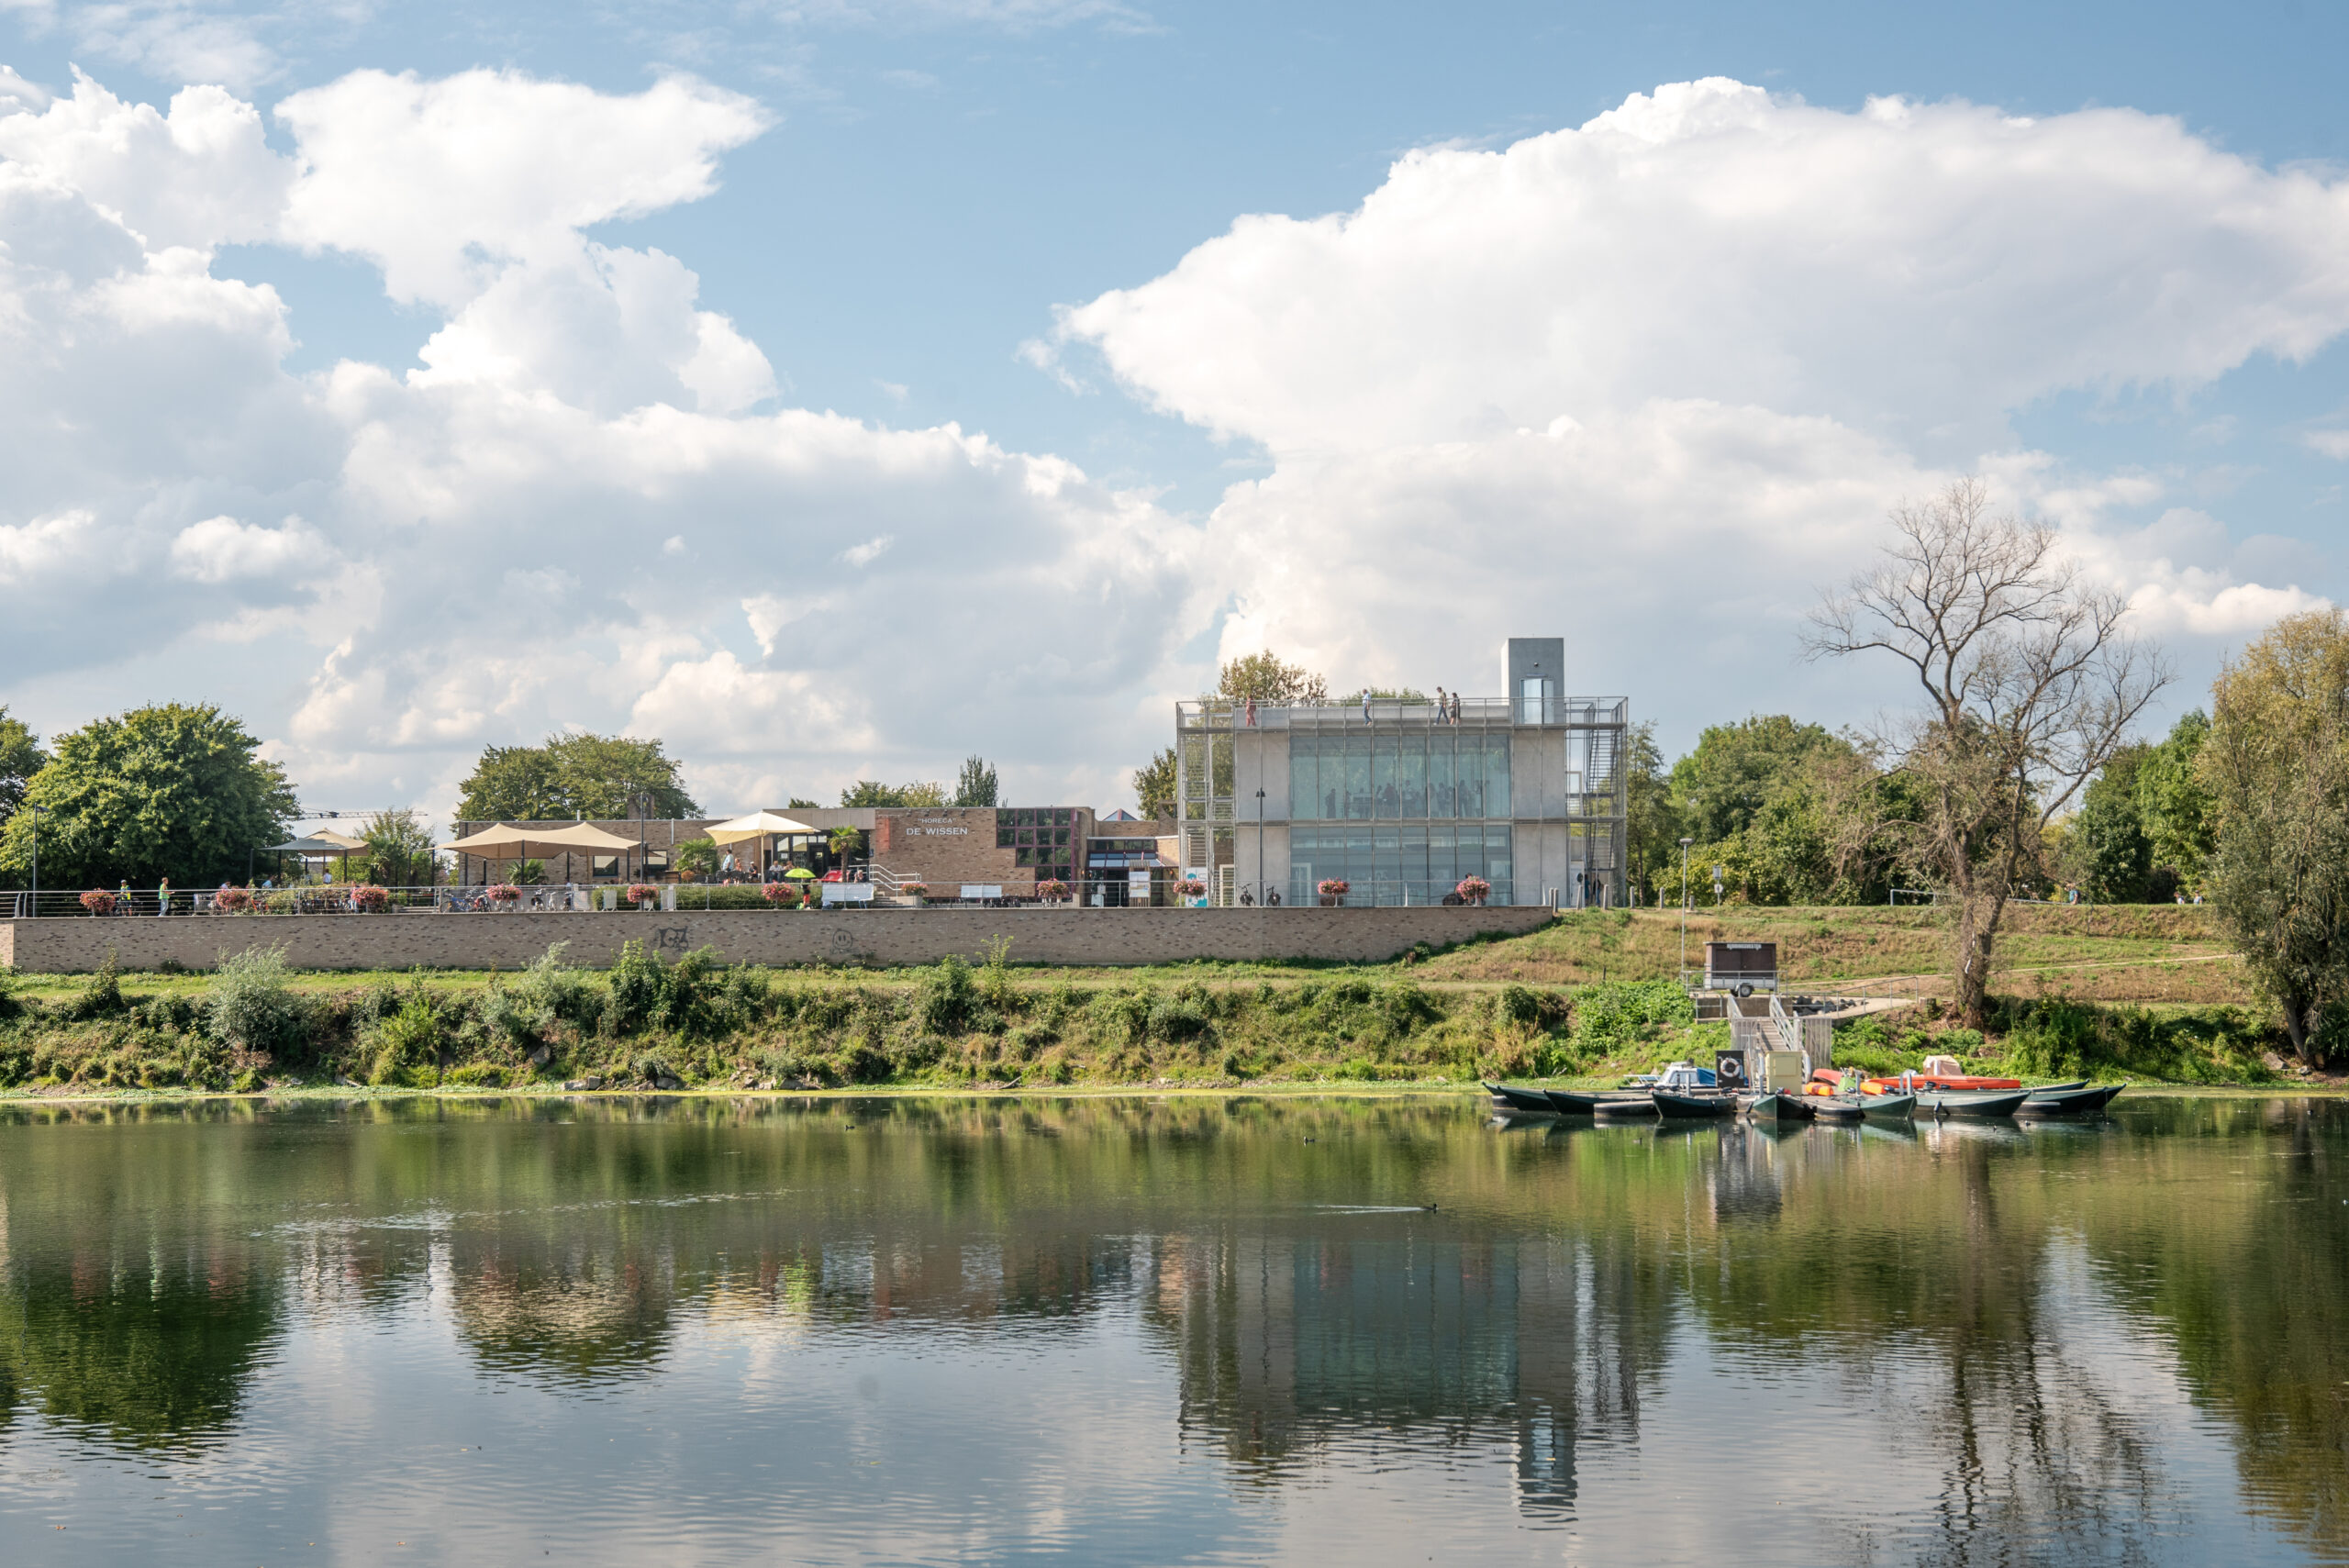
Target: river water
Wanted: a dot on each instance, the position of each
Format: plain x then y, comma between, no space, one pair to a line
1157,1331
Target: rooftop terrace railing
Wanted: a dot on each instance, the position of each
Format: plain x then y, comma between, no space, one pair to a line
1219,712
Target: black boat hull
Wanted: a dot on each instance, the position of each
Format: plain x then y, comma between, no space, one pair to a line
2070,1102
1524,1102
1690,1107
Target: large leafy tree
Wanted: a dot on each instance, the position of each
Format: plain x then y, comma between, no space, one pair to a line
1782,807
2173,802
977,784
2107,850
610,776
20,758
173,791
399,848
1264,677
2030,685
873,792
1154,786
1652,819
2276,764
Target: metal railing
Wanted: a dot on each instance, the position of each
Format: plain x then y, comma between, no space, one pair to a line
1219,713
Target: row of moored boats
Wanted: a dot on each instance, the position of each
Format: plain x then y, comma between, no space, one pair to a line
1685,1091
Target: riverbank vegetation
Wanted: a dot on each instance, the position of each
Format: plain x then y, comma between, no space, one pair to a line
1526,1007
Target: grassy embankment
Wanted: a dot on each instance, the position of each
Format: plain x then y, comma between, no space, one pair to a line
2142,992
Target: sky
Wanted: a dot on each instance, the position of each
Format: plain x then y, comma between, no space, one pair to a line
837,390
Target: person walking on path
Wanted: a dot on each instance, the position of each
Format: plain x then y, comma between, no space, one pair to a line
124,897
1440,711
1365,704
163,897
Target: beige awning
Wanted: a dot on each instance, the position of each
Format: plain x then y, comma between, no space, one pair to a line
757,825
506,841
340,841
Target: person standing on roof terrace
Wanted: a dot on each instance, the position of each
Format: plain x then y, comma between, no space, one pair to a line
1365,704
1439,709
1252,713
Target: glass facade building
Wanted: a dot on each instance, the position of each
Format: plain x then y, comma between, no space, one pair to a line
1405,800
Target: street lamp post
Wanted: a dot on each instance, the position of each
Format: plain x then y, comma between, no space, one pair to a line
1684,907
35,811
1260,848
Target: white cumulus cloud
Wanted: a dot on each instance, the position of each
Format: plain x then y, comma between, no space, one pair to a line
1652,380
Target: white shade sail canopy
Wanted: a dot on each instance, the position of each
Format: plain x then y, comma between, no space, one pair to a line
505,841
316,844
757,825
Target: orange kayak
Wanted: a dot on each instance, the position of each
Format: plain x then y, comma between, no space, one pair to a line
1938,1081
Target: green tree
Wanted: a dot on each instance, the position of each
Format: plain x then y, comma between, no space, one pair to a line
1652,819
1154,786
607,776
2173,804
2106,850
173,791
873,793
20,758
399,848
2276,762
697,859
1778,805
1264,677
977,784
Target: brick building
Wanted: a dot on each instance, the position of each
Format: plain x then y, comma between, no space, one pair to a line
1010,847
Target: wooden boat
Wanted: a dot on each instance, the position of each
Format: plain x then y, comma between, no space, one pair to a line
1590,1102
1777,1106
1690,1106
1887,1108
2082,1101
1525,1102
1973,1103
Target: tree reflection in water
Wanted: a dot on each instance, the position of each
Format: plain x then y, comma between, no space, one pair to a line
2000,1319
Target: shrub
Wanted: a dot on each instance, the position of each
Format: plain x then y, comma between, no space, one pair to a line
249,1006
638,989
1406,1006
408,1044
556,991
235,900
737,895
102,997
943,999
1181,1017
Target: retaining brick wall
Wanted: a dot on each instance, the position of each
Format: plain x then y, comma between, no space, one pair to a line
889,937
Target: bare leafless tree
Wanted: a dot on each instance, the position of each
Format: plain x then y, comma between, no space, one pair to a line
2030,683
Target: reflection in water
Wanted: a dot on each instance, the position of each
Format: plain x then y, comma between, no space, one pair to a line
1953,1342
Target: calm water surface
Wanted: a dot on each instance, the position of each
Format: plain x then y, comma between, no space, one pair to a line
1173,1331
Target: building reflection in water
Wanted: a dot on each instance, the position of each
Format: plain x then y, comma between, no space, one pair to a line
2003,1310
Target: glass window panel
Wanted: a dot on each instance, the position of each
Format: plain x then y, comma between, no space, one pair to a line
1411,774
1441,870
1496,775
1440,801
1223,773
1468,771
1358,846
1025,858
1304,788
1358,779
1497,855
1332,751
1384,800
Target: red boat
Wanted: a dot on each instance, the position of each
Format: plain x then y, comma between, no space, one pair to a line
1938,1081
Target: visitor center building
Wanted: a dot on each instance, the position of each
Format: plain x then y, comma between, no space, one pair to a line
1404,800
